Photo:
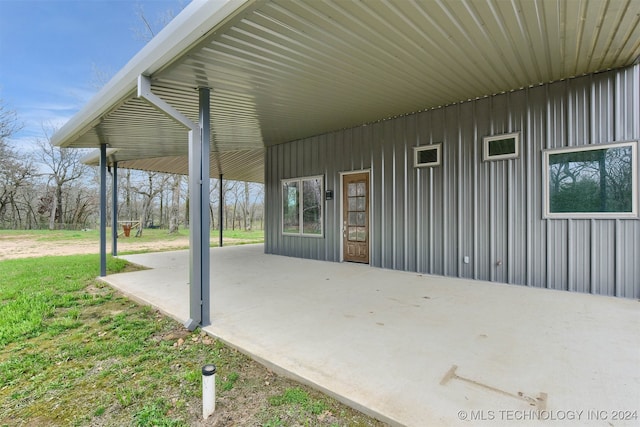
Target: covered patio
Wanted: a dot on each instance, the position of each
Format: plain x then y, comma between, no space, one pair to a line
226,81
225,84
413,349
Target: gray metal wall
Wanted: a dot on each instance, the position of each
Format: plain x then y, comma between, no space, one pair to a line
428,219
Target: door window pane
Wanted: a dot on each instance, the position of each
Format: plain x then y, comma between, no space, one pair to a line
352,234
353,218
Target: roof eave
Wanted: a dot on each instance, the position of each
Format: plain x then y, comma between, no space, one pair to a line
196,21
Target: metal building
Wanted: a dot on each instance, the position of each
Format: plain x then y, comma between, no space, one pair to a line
458,114
466,217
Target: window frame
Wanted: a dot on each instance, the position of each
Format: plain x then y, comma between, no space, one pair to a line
416,150
300,181
546,193
488,139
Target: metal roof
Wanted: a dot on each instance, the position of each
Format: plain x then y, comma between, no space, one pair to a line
281,70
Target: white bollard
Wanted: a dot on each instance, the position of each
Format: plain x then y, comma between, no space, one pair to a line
208,390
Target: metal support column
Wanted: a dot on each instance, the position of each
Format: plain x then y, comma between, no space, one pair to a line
205,150
195,232
221,213
114,210
103,210
199,137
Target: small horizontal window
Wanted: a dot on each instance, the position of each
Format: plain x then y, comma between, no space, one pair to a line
425,156
501,147
591,181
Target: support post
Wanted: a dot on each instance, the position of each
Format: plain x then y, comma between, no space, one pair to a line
195,245
103,210
114,210
221,213
199,137
205,182
199,149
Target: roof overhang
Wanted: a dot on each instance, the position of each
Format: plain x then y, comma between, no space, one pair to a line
282,70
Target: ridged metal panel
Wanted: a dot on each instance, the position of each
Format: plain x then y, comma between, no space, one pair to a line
627,266
485,225
536,231
245,165
429,219
498,191
450,185
411,203
603,257
465,195
284,70
437,209
391,239
518,181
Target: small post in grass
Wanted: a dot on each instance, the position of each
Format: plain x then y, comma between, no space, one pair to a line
208,390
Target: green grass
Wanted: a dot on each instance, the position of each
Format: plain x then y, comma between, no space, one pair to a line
74,352
72,349
32,290
298,399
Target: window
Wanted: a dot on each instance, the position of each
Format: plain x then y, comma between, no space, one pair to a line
302,206
501,147
428,155
591,181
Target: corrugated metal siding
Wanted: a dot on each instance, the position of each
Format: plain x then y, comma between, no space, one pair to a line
428,219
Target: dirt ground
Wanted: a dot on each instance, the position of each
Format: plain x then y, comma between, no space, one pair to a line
31,245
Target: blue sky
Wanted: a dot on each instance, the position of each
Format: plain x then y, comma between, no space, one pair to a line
55,54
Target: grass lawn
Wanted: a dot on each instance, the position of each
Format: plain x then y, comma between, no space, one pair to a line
75,352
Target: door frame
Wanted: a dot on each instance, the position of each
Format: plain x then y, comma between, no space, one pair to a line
341,222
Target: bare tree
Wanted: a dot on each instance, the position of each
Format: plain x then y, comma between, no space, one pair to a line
64,167
100,76
231,188
251,195
147,31
174,214
16,176
15,170
9,124
257,206
216,204
150,27
149,189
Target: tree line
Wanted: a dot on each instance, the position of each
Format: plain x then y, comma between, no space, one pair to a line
50,188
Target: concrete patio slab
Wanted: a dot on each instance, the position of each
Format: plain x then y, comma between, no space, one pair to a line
414,349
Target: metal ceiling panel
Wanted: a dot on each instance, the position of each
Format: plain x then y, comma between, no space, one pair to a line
282,70
241,165
247,165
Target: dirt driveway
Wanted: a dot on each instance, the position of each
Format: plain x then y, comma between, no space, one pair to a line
32,245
